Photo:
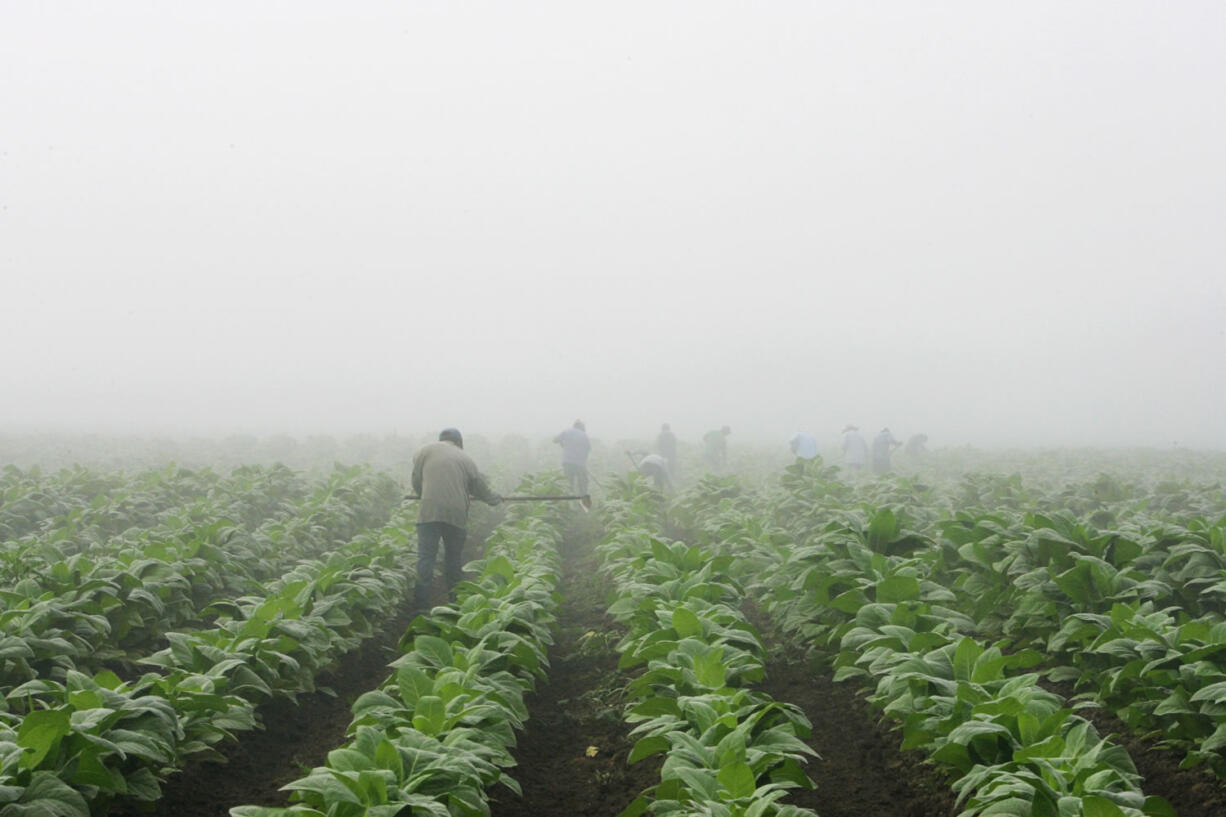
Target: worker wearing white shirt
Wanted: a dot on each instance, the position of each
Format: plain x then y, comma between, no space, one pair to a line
656,467
855,449
803,445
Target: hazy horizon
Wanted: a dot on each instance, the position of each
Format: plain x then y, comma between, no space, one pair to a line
998,225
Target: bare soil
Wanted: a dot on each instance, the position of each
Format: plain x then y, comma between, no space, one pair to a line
861,771
572,754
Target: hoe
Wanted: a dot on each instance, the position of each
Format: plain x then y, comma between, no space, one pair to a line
585,500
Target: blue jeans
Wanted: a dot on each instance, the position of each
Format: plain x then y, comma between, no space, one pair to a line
428,536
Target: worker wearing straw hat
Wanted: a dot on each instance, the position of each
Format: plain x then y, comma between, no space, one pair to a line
855,449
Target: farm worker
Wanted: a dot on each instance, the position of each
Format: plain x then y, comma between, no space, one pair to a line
883,444
656,467
855,449
444,476
803,445
915,445
666,447
716,446
575,448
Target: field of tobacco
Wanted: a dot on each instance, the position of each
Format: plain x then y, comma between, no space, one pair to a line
184,642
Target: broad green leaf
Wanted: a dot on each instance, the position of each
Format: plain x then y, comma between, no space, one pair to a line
388,757
849,601
413,682
430,716
108,680
898,588
709,669
40,732
790,773
882,528
648,746
965,656
657,705
349,760
500,566
1094,806
637,807
143,785
1158,807
435,649
48,796
686,622
738,780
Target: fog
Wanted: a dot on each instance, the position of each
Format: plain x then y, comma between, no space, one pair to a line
1000,224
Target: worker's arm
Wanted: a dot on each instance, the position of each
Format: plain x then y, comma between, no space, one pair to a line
417,468
478,487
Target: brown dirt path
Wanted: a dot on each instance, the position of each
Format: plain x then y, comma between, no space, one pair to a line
861,771
580,706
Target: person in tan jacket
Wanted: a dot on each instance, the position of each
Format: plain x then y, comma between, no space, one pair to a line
444,476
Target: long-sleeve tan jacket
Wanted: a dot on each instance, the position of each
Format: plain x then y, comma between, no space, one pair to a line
445,477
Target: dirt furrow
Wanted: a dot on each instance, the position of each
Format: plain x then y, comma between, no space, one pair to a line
862,772
572,754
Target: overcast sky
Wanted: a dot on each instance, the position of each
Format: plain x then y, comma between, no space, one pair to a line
998,223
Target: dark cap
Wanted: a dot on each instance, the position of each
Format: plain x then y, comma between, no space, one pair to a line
451,435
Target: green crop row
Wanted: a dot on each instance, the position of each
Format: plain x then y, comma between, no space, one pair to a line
1133,615
729,751
435,738
82,741
1135,623
858,587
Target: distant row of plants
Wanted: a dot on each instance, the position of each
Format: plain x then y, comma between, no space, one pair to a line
110,604
62,503
74,510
